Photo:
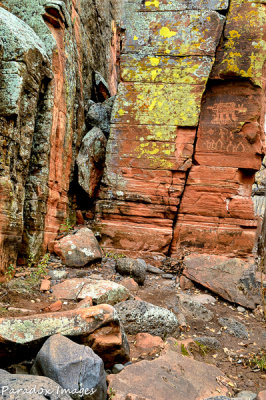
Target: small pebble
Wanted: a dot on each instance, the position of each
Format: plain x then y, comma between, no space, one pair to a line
241,309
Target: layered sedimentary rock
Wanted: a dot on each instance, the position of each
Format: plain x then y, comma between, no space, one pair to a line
49,53
179,169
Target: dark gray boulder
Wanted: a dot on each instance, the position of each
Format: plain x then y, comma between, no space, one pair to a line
72,366
137,269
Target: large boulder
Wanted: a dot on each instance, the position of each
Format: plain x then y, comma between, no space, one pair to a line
98,326
72,366
171,376
100,291
130,267
78,249
233,279
140,316
90,160
25,387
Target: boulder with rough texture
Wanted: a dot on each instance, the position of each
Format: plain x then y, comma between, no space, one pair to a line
234,327
233,279
171,376
78,249
208,341
100,291
97,326
25,387
72,366
190,306
90,160
139,316
135,268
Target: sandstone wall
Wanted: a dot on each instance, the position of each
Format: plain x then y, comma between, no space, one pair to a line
49,51
187,130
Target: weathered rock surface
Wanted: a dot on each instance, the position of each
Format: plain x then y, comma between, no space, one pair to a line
171,376
25,387
26,334
234,327
25,67
194,308
209,342
135,268
99,114
147,342
139,316
101,292
78,249
48,56
73,367
262,395
91,159
232,279
171,50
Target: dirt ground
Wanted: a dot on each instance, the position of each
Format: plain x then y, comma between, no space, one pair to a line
242,361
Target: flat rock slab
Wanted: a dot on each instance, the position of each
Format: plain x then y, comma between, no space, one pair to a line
172,377
27,334
78,249
101,291
232,279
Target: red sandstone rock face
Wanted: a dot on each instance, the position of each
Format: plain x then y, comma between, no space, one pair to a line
167,184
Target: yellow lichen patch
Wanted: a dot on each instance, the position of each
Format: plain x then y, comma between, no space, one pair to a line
121,112
166,104
135,37
154,3
166,33
189,70
155,61
156,154
244,48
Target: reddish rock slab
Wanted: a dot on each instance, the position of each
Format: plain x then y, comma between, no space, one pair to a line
28,333
147,342
130,284
262,395
78,249
233,279
171,376
45,285
99,291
